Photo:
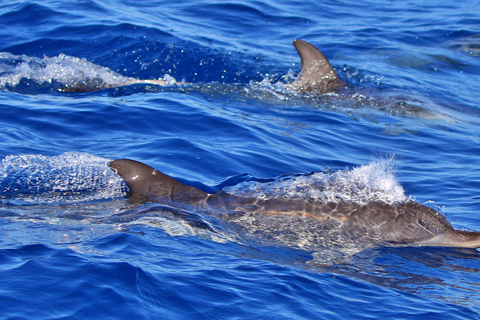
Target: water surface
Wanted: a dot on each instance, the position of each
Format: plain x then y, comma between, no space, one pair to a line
407,126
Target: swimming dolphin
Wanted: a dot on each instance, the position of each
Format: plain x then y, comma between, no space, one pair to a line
328,224
317,77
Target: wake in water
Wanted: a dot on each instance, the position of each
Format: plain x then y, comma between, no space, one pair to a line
368,183
64,179
57,72
64,73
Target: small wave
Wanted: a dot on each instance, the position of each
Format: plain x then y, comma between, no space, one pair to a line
68,178
373,182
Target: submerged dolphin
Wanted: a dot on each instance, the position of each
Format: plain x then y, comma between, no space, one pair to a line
98,84
317,77
327,224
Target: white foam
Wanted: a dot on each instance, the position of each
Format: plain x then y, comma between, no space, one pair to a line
170,81
69,177
271,85
373,182
63,69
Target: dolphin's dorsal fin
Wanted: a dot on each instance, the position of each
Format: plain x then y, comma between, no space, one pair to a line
148,183
318,75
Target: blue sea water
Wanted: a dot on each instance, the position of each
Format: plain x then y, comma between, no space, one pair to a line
72,246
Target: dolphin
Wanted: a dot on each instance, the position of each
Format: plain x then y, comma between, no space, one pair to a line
374,224
317,76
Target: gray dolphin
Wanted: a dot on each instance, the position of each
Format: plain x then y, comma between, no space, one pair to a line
327,225
317,77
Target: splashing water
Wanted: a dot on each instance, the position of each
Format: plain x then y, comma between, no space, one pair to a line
373,182
63,69
69,177
64,72
271,85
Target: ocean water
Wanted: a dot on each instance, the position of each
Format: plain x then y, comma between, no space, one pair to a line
72,246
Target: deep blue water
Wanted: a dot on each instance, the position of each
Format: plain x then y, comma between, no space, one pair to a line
408,125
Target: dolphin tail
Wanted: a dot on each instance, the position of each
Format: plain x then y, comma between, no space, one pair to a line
318,75
456,239
147,183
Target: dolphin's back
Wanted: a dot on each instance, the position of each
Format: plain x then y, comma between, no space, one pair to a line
375,222
148,183
318,75
370,224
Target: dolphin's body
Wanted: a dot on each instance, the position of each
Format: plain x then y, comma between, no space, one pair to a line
307,225
317,76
